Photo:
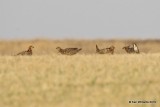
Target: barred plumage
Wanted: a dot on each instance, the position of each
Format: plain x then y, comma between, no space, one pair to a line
105,50
131,49
27,52
68,51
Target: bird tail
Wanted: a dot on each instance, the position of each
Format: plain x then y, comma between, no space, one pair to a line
79,49
97,49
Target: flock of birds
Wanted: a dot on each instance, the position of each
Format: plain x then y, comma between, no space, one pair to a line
72,51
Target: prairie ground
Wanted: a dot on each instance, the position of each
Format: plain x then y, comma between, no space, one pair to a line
48,47
48,79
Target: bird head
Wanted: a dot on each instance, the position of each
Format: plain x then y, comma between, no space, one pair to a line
58,48
31,46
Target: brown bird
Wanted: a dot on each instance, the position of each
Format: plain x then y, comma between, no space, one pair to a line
27,52
105,50
131,48
68,51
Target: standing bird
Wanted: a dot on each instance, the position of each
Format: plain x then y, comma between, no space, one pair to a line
68,51
131,48
27,52
105,50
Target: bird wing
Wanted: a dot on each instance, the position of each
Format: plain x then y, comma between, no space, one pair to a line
130,46
71,49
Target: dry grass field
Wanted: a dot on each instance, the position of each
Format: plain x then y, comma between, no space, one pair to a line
48,47
49,79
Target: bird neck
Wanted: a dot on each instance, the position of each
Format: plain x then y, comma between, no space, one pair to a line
29,50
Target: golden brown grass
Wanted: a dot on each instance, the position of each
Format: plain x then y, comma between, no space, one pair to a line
84,80
46,47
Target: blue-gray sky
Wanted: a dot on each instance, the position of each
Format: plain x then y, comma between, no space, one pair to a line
79,19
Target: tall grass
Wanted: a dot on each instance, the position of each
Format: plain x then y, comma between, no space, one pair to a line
82,80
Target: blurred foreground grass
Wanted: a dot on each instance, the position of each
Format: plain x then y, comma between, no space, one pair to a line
80,80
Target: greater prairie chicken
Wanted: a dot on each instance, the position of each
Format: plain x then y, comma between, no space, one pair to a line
27,52
105,50
131,48
68,51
